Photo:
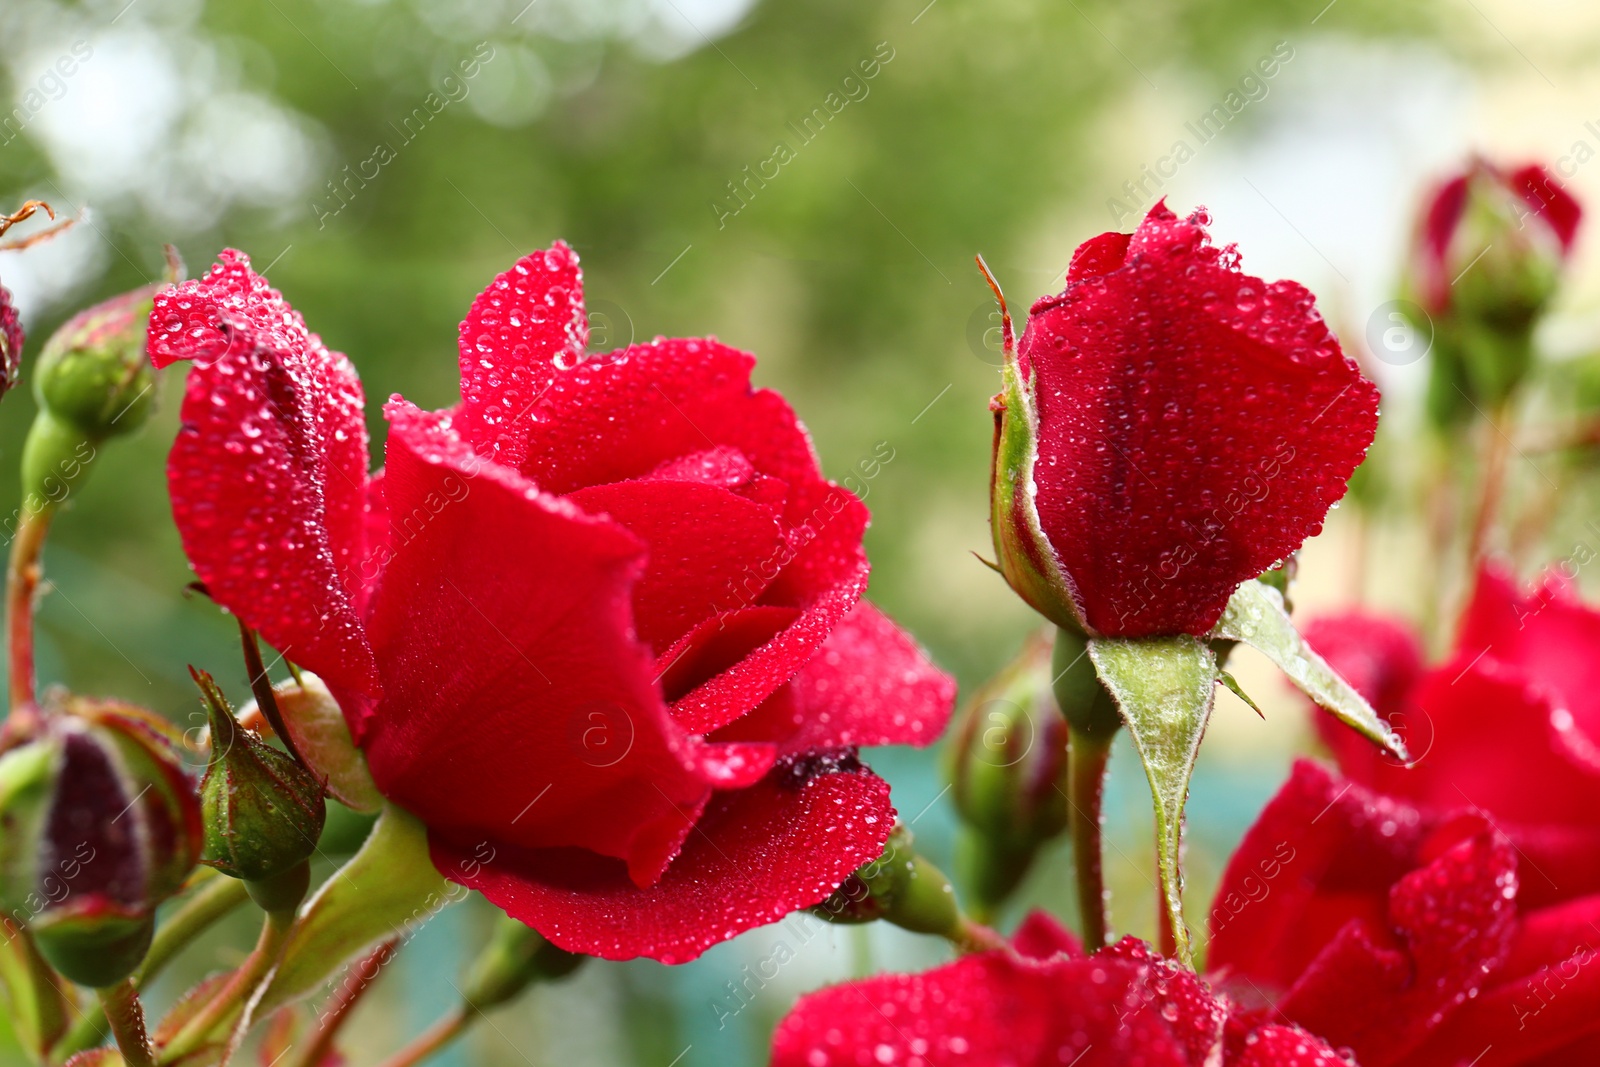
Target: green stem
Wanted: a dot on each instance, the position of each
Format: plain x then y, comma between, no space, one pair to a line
972,936
122,1008
22,583
434,1038
237,991
1089,756
357,981
216,898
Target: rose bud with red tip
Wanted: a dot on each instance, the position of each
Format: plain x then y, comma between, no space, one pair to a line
1169,427
10,341
100,824
1486,261
93,381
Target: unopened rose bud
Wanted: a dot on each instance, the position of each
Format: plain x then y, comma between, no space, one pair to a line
10,341
515,957
1007,766
263,811
900,887
94,380
1486,261
100,825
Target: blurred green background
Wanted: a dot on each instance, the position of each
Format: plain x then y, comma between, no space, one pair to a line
341,145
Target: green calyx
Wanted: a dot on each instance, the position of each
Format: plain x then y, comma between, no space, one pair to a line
900,887
1025,558
262,810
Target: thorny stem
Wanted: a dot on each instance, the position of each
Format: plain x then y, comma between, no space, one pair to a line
121,1003
22,584
213,900
441,1033
237,991
357,981
1088,757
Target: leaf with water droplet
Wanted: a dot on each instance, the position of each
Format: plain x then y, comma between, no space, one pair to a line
1165,688
1256,616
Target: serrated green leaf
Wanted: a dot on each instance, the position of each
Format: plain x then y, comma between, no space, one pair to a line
1255,615
1165,688
389,886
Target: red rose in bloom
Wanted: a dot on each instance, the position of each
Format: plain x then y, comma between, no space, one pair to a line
10,341
1536,206
1509,725
1402,935
1171,427
599,627
1040,1003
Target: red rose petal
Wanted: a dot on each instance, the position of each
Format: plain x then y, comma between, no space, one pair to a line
755,855
1550,200
701,539
869,684
1195,425
1322,854
1551,636
1378,982
1285,1046
268,474
1041,936
569,742
525,327
1528,1022
1002,1008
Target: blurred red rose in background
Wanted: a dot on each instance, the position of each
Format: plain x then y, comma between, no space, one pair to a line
1401,934
1508,726
599,627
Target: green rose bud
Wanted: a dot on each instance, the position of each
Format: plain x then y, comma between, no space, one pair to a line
263,811
1007,765
99,823
94,373
93,381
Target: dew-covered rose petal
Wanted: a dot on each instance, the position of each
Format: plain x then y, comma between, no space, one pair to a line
1123,1005
1369,926
870,684
1195,424
268,475
517,706
521,331
755,855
